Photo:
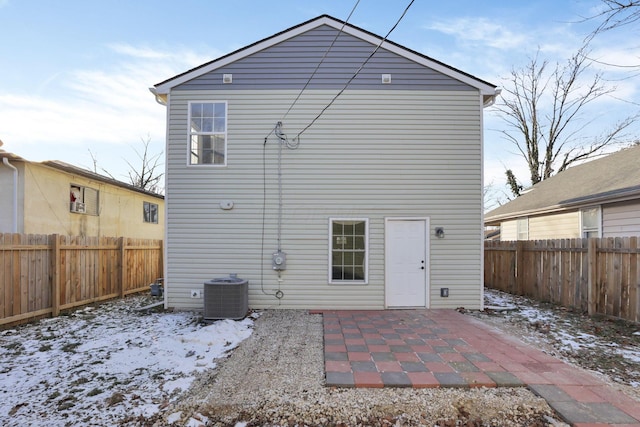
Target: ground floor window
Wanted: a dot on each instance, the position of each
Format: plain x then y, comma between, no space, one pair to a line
150,212
590,222
83,200
523,228
348,250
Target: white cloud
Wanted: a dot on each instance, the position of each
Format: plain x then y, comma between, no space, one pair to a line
93,108
481,31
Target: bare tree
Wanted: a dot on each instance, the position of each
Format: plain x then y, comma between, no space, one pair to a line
146,175
545,109
615,14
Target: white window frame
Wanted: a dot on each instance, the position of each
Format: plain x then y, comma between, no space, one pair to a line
520,224
152,219
87,200
213,133
366,252
583,229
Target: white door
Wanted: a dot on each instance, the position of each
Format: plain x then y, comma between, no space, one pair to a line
406,263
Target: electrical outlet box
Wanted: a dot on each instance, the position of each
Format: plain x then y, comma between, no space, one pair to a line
196,293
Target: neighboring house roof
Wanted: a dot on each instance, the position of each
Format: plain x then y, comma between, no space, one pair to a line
57,164
488,90
615,177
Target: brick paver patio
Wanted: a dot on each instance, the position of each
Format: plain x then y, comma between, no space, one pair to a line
443,348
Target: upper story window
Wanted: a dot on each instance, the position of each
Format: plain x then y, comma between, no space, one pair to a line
590,222
208,133
348,250
83,200
150,212
523,228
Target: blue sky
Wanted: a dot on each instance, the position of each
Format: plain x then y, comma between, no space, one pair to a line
74,75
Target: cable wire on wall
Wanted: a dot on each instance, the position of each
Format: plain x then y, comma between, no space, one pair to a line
326,53
296,139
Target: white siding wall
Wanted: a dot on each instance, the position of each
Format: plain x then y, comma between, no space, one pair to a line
373,154
509,230
557,226
621,219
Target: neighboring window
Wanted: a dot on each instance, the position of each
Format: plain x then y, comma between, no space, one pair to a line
150,212
208,133
523,228
83,200
590,222
348,250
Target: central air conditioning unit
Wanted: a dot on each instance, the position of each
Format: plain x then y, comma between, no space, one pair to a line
226,298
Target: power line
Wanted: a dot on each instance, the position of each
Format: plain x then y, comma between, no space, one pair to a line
321,61
297,137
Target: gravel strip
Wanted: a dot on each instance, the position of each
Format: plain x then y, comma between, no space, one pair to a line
276,377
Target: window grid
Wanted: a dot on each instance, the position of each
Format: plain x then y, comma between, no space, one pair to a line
150,212
348,250
207,133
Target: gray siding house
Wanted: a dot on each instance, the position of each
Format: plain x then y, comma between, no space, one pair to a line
600,198
329,168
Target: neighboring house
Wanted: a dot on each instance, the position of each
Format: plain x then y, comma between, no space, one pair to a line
53,197
367,196
600,198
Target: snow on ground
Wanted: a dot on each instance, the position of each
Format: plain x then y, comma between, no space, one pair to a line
100,365
606,345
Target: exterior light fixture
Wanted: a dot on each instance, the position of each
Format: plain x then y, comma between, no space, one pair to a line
440,232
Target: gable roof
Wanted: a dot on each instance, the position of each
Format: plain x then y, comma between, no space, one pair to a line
488,90
615,177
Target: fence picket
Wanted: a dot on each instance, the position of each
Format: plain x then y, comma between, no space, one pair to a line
594,275
42,274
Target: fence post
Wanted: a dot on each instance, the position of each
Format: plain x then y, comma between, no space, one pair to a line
55,275
121,265
592,254
520,267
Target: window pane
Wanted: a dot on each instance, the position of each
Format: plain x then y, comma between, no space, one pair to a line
337,229
360,228
207,125
91,201
348,229
196,124
219,125
348,259
153,213
359,242
348,240
196,110
590,218
219,150
220,109
207,110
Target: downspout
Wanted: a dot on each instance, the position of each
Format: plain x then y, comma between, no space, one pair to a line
15,193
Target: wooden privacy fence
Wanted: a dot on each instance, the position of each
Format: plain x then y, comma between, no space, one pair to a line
598,276
43,274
